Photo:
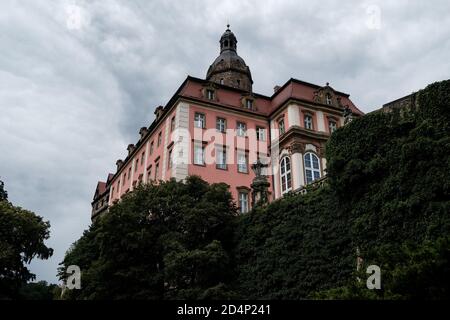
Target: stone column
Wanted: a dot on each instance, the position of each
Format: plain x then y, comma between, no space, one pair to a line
297,170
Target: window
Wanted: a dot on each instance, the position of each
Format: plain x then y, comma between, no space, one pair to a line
210,94
221,158
332,125
308,122
142,158
243,202
129,173
285,173
249,104
281,127
312,167
156,171
124,178
172,124
118,186
328,98
170,159
149,173
151,147
199,154
260,134
221,81
159,138
199,120
238,82
136,162
221,124
241,129
242,162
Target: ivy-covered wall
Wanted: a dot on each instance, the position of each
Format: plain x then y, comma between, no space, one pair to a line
388,194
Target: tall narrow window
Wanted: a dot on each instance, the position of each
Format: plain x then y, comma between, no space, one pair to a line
151,147
199,120
170,161
221,81
172,124
199,154
221,157
285,173
241,128
281,127
312,167
332,125
249,104
129,173
142,158
159,138
308,122
328,98
221,124
156,171
136,163
243,202
210,94
242,162
149,173
260,134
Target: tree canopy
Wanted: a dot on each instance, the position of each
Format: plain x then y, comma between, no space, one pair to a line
22,238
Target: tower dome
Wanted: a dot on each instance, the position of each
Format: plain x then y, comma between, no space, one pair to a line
230,69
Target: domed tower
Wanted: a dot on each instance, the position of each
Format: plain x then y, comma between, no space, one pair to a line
229,69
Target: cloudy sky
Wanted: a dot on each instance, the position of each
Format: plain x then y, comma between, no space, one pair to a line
79,78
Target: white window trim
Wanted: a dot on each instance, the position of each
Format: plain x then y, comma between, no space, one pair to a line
285,175
312,169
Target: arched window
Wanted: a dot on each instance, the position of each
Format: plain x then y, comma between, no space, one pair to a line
312,167
328,98
285,174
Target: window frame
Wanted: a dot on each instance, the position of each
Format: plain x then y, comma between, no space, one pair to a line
218,125
281,126
311,168
286,177
196,147
239,132
245,209
224,165
203,122
238,154
258,135
308,116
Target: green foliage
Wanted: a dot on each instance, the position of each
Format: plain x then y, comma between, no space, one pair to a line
3,193
38,291
388,195
165,241
22,236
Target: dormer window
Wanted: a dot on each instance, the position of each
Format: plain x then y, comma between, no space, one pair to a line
328,99
210,94
249,104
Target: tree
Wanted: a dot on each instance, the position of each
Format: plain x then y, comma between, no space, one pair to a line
38,291
22,236
166,241
3,193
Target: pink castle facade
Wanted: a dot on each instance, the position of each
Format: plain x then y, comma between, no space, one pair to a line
218,127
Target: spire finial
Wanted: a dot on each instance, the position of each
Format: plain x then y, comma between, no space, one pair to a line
228,25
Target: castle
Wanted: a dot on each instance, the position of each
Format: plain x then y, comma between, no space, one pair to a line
218,127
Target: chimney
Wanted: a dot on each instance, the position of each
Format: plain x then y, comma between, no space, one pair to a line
158,112
276,88
119,164
143,131
130,148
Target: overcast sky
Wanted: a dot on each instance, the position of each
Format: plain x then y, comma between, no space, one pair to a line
79,78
